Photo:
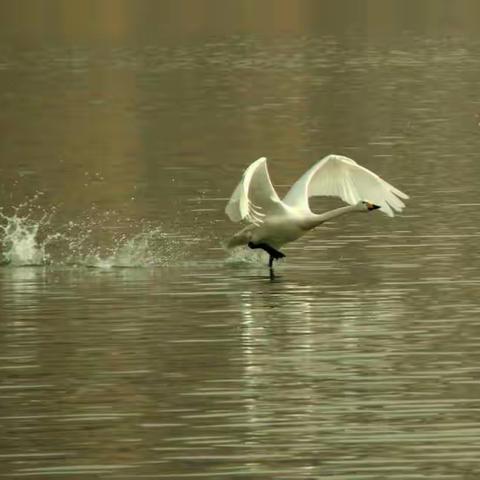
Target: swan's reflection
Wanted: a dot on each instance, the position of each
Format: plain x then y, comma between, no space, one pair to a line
307,355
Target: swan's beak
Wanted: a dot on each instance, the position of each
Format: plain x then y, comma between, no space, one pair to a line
372,206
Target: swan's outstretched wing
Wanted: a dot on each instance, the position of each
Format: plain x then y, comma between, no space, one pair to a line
342,177
254,197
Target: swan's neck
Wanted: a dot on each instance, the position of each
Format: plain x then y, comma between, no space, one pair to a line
316,220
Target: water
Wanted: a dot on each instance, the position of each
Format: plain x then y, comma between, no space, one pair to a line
132,345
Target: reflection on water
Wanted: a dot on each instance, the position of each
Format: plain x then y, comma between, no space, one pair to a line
172,358
178,373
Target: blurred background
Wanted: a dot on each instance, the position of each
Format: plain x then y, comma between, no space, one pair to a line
104,100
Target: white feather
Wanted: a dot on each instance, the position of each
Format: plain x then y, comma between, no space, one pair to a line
254,197
342,177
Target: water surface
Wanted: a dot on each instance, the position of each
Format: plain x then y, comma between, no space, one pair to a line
133,345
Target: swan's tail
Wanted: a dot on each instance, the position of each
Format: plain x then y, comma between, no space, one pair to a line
241,238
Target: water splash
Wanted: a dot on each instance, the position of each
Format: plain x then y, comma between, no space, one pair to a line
242,256
23,236
145,249
20,245
30,235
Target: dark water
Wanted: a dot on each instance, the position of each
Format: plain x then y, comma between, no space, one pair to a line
132,345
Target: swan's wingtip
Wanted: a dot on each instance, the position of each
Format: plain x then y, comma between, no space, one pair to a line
258,161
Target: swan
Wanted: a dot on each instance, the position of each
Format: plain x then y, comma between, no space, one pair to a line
273,222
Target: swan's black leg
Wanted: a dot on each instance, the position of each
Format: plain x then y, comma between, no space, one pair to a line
270,262
274,254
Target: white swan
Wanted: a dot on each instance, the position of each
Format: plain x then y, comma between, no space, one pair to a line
274,222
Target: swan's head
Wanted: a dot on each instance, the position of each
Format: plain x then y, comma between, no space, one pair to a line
364,206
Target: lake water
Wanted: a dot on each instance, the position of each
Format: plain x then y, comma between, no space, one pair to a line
133,345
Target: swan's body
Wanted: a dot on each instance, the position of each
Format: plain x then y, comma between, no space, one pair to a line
274,222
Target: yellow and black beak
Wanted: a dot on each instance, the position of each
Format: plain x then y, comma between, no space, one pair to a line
372,206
